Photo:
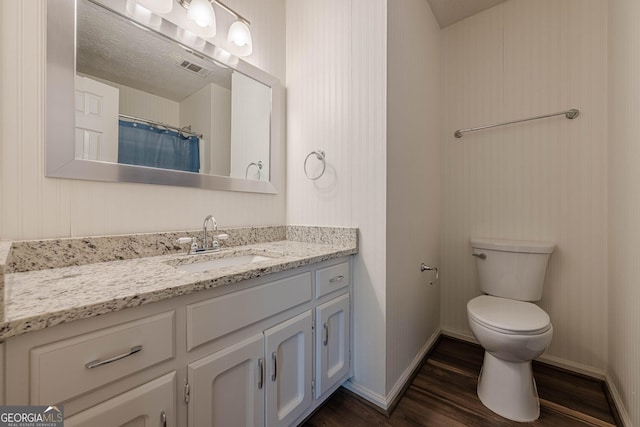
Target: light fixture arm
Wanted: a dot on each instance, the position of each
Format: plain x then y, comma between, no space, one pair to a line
187,3
231,11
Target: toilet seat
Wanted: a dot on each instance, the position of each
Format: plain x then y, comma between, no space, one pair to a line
508,316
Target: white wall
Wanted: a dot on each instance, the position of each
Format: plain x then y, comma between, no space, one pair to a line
36,207
624,206
542,180
208,111
336,101
413,185
195,110
221,130
250,103
138,103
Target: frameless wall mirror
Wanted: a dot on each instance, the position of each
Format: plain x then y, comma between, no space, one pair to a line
137,98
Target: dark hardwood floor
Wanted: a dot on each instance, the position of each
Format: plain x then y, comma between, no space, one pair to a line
443,393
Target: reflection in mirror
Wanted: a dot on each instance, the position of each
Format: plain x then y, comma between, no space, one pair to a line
144,100
147,103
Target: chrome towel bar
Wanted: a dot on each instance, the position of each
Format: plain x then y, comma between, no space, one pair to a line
569,114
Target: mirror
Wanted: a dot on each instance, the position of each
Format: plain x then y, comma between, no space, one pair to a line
148,102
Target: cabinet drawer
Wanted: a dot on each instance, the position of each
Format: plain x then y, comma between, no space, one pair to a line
332,278
153,402
210,319
60,371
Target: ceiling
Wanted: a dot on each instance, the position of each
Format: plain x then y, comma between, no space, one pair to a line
448,12
116,50
111,48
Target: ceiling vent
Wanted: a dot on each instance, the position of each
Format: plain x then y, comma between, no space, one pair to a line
194,68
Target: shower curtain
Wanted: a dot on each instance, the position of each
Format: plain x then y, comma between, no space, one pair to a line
144,145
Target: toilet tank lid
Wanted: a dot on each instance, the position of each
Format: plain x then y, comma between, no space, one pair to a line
525,246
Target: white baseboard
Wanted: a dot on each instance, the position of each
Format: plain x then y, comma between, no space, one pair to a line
617,399
384,402
573,366
550,360
406,375
460,335
365,393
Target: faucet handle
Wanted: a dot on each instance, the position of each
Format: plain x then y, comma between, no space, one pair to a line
192,240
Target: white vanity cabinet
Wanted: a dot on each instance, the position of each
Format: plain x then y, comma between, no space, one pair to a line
288,348
265,380
261,352
332,343
227,387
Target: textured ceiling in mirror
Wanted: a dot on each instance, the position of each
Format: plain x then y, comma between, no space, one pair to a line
112,48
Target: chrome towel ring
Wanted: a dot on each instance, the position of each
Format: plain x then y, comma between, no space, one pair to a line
258,165
320,156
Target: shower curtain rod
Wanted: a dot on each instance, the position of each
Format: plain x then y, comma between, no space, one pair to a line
185,130
569,114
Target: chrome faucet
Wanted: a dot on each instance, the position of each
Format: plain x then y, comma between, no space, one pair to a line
214,240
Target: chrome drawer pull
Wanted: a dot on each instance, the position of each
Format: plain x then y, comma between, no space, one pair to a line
96,363
336,279
274,357
163,419
261,367
325,339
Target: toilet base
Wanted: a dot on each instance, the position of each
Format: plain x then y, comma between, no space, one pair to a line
508,389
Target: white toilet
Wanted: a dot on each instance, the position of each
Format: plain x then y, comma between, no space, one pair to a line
512,331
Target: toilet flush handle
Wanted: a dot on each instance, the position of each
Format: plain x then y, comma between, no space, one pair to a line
480,255
424,267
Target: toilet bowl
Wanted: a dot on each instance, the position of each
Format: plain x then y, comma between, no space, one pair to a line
512,330
506,384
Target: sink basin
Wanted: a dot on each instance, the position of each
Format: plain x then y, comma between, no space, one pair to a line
212,264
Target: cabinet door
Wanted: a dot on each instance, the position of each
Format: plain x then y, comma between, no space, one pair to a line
288,349
332,343
150,405
227,387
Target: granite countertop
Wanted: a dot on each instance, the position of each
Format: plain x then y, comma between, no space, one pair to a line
37,299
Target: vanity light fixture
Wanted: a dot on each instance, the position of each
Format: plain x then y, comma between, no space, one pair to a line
156,6
202,18
240,36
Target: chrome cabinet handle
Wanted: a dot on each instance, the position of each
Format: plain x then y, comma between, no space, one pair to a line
274,357
163,419
96,363
480,255
261,367
325,329
336,279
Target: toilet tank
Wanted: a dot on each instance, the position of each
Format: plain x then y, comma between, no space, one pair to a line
512,269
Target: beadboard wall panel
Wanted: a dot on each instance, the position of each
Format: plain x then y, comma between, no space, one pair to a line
541,180
413,183
336,101
623,373
34,207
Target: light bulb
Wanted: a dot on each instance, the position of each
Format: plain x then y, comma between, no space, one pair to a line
240,37
157,6
201,19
